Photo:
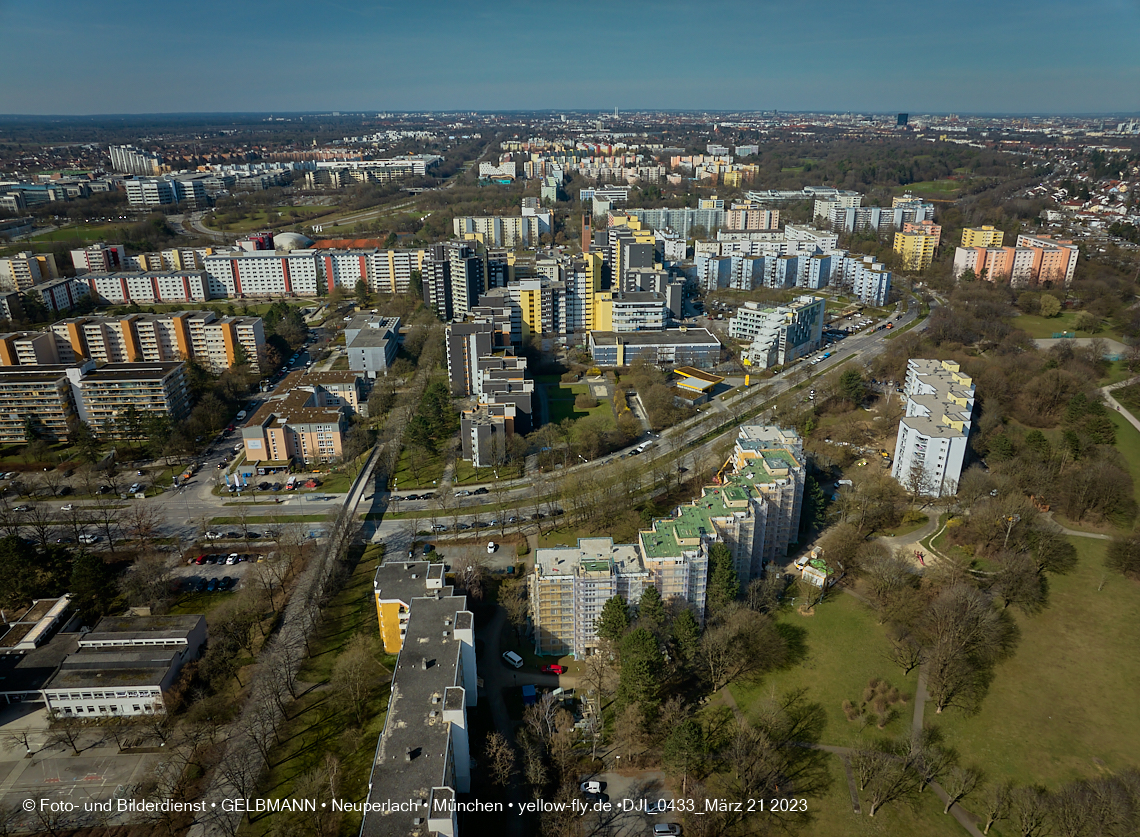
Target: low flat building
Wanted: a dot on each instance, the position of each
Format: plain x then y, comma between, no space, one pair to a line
669,347
124,667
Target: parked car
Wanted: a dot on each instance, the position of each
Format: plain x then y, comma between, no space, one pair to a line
491,547
481,491
554,668
213,536
512,659
667,829
68,507
253,536
591,787
212,585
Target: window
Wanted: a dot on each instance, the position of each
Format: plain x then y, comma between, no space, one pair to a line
136,708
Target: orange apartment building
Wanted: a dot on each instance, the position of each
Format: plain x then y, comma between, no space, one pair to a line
1035,260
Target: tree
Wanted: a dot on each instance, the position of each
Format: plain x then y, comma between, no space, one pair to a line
959,783
651,611
500,758
1029,810
723,585
852,386
613,622
512,598
363,297
1123,555
684,750
86,442
639,683
92,585
354,677
1050,306
686,637
995,803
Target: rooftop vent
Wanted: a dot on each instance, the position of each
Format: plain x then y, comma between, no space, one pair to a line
408,754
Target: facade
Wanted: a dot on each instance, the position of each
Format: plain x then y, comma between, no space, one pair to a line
131,160
217,343
869,281
189,189
102,393
916,244
23,270
930,450
1034,261
668,347
149,287
124,667
569,587
634,311
983,236
879,218
499,230
453,279
483,433
750,215
465,344
781,334
61,294
28,348
305,426
264,273
681,221
423,757
371,342
99,258
40,393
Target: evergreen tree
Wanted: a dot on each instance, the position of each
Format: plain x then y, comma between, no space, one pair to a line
91,585
613,621
723,585
651,611
686,637
641,666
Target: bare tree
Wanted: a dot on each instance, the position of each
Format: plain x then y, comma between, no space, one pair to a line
959,783
995,803
513,599
354,677
1029,810
141,522
500,759
40,518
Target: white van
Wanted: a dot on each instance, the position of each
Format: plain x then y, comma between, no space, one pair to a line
512,659
88,538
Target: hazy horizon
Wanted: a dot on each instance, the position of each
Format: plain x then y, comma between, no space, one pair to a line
126,57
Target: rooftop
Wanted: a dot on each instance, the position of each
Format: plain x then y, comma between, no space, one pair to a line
119,628
671,336
591,555
88,668
406,580
411,757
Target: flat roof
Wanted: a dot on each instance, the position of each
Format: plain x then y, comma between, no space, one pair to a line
668,336
405,580
89,669
119,628
590,555
693,372
28,672
412,754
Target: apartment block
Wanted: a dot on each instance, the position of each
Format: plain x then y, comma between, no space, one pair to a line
99,258
983,236
869,281
423,757
750,215
781,334
569,587
930,450
296,428
23,270
371,342
483,433
102,393
499,230
390,271
681,221
60,294
453,279
149,288
264,273
39,393
851,219
131,160
1034,261
916,244
465,344
28,348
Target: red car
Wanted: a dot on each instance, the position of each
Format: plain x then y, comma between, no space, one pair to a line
554,668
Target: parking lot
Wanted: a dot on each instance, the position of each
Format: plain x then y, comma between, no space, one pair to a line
195,577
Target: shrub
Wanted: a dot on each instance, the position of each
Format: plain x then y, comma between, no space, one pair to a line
585,401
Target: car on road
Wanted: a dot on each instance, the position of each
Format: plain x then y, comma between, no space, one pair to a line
512,519
88,538
512,659
68,507
22,508
428,496
462,525
464,493
481,491
555,668
438,527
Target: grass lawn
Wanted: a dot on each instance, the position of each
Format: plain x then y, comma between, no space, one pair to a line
1041,327
561,401
906,527
203,603
833,816
1128,443
465,472
840,648
315,726
83,232
1059,709
938,188
1118,371
427,472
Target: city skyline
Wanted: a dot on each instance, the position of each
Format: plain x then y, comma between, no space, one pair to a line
130,58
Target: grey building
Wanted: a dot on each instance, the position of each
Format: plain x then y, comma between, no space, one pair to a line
372,342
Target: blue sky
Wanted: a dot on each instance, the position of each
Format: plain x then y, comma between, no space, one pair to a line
999,56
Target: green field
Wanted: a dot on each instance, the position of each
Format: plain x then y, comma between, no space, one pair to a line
275,216
1128,443
937,188
1042,327
1061,707
560,398
83,232
839,649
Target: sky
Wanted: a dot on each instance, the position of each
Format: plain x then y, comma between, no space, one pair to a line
957,56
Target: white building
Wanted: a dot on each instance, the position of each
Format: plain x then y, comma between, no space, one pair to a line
149,288
264,273
931,445
124,667
781,334
869,281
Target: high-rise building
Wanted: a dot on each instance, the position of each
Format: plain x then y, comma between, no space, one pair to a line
916,244
779,334
131,160
983,236
930,450
424,753
1034,261
901,120
99,258
21,271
